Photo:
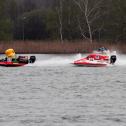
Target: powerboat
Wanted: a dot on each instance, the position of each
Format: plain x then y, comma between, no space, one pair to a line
11,60
16,62
93,60
97,59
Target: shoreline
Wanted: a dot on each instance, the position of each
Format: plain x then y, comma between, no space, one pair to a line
56,47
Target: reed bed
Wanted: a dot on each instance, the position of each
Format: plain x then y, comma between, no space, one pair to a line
39,47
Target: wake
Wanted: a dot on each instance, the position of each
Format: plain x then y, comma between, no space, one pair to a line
121,60
57,60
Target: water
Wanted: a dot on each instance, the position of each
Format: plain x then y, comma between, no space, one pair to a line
53,92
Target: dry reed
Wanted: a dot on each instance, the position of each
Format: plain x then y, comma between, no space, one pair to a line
58,47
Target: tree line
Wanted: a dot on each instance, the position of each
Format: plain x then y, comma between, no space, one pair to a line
63,20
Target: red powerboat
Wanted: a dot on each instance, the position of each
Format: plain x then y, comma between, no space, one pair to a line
96,59
16,62
93,60
12,60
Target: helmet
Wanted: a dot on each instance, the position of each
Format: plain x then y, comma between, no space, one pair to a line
10,53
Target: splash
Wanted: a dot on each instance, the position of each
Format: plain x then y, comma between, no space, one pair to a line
121,60
56,60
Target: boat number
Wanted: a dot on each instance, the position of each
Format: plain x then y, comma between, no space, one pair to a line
97,57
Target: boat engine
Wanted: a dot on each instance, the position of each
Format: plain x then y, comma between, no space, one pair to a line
113,59
32,59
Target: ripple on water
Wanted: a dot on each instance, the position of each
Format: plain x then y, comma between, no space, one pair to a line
62,95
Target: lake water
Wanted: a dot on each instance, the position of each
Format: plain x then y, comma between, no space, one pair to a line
53,92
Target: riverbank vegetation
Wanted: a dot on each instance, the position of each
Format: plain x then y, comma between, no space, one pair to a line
35,22
47,47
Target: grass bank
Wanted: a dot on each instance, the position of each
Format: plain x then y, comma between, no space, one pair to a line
39,47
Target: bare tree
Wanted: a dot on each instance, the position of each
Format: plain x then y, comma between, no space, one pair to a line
60,15
90,10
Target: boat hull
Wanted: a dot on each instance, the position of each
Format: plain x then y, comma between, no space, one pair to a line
11,64
86,64
93,60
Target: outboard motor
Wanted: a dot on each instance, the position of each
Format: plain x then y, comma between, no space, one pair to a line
113,59
32,59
